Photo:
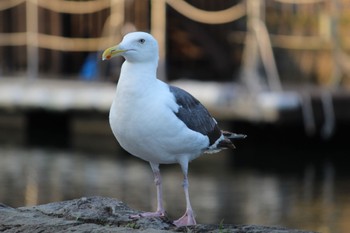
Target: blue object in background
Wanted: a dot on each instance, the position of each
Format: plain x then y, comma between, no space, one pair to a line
89,71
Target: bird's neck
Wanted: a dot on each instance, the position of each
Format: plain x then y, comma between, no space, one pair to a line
144,68
137,77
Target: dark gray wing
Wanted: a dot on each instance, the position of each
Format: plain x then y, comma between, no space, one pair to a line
195,115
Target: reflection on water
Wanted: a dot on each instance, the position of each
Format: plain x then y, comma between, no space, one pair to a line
218,190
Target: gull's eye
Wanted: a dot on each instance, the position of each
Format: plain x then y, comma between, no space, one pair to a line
141,41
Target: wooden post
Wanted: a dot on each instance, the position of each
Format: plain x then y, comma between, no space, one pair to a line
32,38
117,17
336,49
251,60
158,30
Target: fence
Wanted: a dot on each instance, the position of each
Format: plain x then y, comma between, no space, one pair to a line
48,30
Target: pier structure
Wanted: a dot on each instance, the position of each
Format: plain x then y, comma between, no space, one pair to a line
257,61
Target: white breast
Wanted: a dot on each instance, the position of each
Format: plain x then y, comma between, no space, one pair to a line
145,125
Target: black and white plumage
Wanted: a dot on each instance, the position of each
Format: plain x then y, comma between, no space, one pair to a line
159,123
195,115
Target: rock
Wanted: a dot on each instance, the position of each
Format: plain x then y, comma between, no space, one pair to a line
101,214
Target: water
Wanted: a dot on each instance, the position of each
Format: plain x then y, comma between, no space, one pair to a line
313,197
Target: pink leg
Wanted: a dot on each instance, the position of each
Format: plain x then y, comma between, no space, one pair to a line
158,181
188,218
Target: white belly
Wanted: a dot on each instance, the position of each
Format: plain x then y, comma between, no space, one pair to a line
151,131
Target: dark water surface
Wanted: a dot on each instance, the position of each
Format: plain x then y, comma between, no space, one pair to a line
315,196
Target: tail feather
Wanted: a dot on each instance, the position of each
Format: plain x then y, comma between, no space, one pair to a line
233,136
225,142
229,138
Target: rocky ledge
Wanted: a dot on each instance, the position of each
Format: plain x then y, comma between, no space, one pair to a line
101,214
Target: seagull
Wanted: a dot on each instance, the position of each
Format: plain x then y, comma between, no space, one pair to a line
157,122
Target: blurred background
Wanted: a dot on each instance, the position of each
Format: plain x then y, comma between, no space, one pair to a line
276,70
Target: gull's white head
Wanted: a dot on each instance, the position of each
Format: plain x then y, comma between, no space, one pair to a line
135,47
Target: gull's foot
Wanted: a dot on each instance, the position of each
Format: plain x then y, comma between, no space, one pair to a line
149,214
186,220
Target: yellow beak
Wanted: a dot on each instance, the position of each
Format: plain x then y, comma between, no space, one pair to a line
112,52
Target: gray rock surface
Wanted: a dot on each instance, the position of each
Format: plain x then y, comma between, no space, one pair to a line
101,214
